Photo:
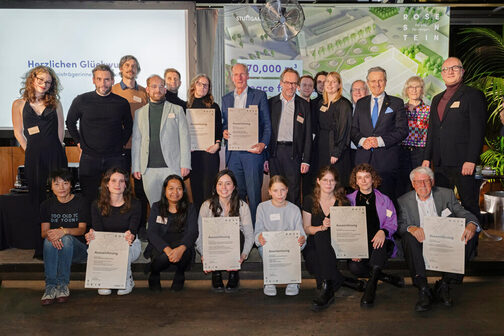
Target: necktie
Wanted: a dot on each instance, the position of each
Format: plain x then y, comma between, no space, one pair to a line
374,114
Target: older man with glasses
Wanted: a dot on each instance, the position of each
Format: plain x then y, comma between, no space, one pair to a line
455,134
430,201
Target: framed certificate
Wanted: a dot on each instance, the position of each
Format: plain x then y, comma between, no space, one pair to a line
443,250
221,243
107,262
349,232
201,127
243,129
281,257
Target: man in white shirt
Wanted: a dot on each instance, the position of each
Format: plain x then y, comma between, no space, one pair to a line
427,200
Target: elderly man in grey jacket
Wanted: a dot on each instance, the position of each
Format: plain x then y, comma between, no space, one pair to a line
161,143
425,201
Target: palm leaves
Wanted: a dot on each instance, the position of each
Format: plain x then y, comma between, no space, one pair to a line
494,155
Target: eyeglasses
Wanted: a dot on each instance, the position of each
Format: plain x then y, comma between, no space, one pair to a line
290,83
202,85
455,68
415,87
422,182
330,181
41,81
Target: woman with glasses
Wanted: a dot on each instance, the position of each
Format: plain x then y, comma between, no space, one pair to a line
333,125
412,149
37,118
205,163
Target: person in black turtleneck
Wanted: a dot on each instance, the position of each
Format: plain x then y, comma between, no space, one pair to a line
161,144
105,125
172,82
455,135
205,163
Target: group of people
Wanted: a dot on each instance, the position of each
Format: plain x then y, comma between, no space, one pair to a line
315,150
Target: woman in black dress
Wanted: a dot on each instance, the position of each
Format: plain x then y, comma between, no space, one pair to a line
334,121
319,255
37,118
172,232
205,164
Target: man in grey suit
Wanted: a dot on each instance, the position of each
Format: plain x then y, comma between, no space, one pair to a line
161,142
425,201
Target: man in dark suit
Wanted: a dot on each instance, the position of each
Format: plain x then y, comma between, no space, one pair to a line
426,201
455,134
247,165
379,125
291,139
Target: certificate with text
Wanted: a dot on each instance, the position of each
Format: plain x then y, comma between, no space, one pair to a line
281,257
201,127
107,262
221,243
349,232
443,250
243,128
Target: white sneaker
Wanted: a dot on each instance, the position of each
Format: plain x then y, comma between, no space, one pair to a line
270,290
104,291
292,290
129,287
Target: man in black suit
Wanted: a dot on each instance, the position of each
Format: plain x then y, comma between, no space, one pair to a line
379,125
291,138
429,201
455,135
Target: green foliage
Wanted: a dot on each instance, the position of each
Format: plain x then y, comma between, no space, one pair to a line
494,156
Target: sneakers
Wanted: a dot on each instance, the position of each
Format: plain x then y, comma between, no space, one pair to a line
104,291
292,290
270,290
129,287
49,296
62,293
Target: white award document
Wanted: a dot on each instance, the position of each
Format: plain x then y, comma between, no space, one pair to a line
281,257
107,262
443,250
243,128
349,232
201,127
221,243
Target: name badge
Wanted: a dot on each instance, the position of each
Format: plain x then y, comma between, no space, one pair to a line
275,217
446,212
455,104
137,99
33,130
171,115
255,107
300,119
161,220
323,108
389,213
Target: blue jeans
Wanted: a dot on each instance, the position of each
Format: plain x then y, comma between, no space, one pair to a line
57,263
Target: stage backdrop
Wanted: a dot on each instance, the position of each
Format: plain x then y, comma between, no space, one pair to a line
74,41
406,41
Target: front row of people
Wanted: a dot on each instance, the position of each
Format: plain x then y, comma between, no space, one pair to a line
174,226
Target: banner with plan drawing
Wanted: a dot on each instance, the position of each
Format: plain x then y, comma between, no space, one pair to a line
406,41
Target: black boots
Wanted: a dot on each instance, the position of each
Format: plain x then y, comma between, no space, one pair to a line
370,292
354,284
442,292
326,296
394,280
217,284
424,299
178,281
155,282
233,282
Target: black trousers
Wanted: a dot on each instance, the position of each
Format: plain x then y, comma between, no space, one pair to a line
414,257
320,259
161,262
91,169
378,258
139,191
205,167
389,185
467,186
283,164
409,159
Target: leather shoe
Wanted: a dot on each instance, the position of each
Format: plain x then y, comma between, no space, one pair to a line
325,298
233,283
178,281
442,292
155,282
355,284
370,293
424,300
217,284
394,280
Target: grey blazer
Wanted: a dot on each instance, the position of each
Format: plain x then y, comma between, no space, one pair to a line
444,198
174,136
